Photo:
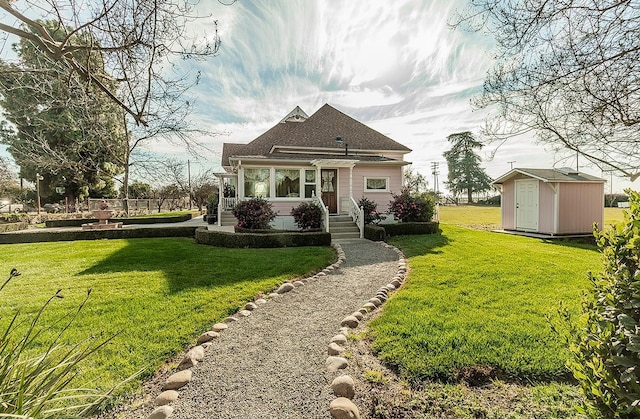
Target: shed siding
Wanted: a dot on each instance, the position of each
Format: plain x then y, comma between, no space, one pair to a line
507,202
546,209
580,205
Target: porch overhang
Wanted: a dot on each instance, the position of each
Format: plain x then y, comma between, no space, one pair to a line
334,163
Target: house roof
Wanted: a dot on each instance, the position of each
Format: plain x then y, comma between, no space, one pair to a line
562,175
316,132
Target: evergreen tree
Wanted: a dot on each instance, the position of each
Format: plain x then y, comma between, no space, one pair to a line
69,134
465,173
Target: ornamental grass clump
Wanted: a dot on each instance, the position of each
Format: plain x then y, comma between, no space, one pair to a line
412,207
606,351
307,216
36,383
254,214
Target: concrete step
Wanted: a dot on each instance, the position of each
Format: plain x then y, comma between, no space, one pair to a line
339,236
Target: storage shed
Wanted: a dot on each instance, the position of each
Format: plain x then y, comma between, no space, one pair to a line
551,201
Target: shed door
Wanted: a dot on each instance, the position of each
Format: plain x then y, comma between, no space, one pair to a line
527,205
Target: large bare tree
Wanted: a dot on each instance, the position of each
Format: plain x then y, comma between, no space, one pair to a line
137,38
139,43
568,71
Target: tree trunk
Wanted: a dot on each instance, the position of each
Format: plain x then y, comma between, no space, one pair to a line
469,195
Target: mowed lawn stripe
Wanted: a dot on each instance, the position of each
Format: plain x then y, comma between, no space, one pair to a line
157,294
476,299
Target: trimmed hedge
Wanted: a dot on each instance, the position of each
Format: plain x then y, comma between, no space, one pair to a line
121,233
13,227
77,222
261,240
405,229
271,231
381,232
374,233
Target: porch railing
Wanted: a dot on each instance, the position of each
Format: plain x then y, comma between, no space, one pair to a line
357,215
325,212
229,203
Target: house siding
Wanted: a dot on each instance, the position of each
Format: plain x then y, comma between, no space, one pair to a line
580,205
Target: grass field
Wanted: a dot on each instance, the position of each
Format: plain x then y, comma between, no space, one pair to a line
477,300
488,218
158,295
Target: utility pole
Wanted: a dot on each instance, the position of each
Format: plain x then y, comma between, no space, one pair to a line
434,171
189,176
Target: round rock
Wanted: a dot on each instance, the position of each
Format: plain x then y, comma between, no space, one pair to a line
244,313
177,380
230,319
358,315
375,301
298,284
350,321
335,363
286,287
370,306
250,306
343,386
207,336
167,397
334,349
339,339
343,408
161,412
260,301
219,327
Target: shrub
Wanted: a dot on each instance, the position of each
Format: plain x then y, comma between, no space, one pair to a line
370,213
374,233
307,216
38,386
410,228
606,359
254,213
407,207
262,240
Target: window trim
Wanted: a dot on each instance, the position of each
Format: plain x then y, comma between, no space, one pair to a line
386,180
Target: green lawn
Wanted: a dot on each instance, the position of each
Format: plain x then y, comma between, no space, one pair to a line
477,301
488,218
157,294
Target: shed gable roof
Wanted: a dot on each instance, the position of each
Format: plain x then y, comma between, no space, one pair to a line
550,175
314,133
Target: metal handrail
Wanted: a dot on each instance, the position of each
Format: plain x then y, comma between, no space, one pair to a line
357,215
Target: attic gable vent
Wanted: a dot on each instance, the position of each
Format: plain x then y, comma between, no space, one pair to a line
567,171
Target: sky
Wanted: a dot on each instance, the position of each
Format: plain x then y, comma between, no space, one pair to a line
395,66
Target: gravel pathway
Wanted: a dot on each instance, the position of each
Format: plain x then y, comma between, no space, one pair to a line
272,363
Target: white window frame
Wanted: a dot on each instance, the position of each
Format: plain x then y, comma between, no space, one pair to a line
386,180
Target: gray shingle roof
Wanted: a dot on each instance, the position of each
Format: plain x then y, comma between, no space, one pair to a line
318,131
550,175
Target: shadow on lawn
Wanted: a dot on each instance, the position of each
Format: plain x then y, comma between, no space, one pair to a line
186,264
422,244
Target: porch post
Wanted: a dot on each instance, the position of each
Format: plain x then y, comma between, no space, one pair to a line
351,181
220,198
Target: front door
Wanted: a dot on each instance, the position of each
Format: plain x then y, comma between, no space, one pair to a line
527,205
329,178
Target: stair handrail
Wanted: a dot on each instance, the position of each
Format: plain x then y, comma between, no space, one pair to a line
357,215
325,212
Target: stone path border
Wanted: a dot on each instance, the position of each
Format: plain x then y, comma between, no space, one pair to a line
342,386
